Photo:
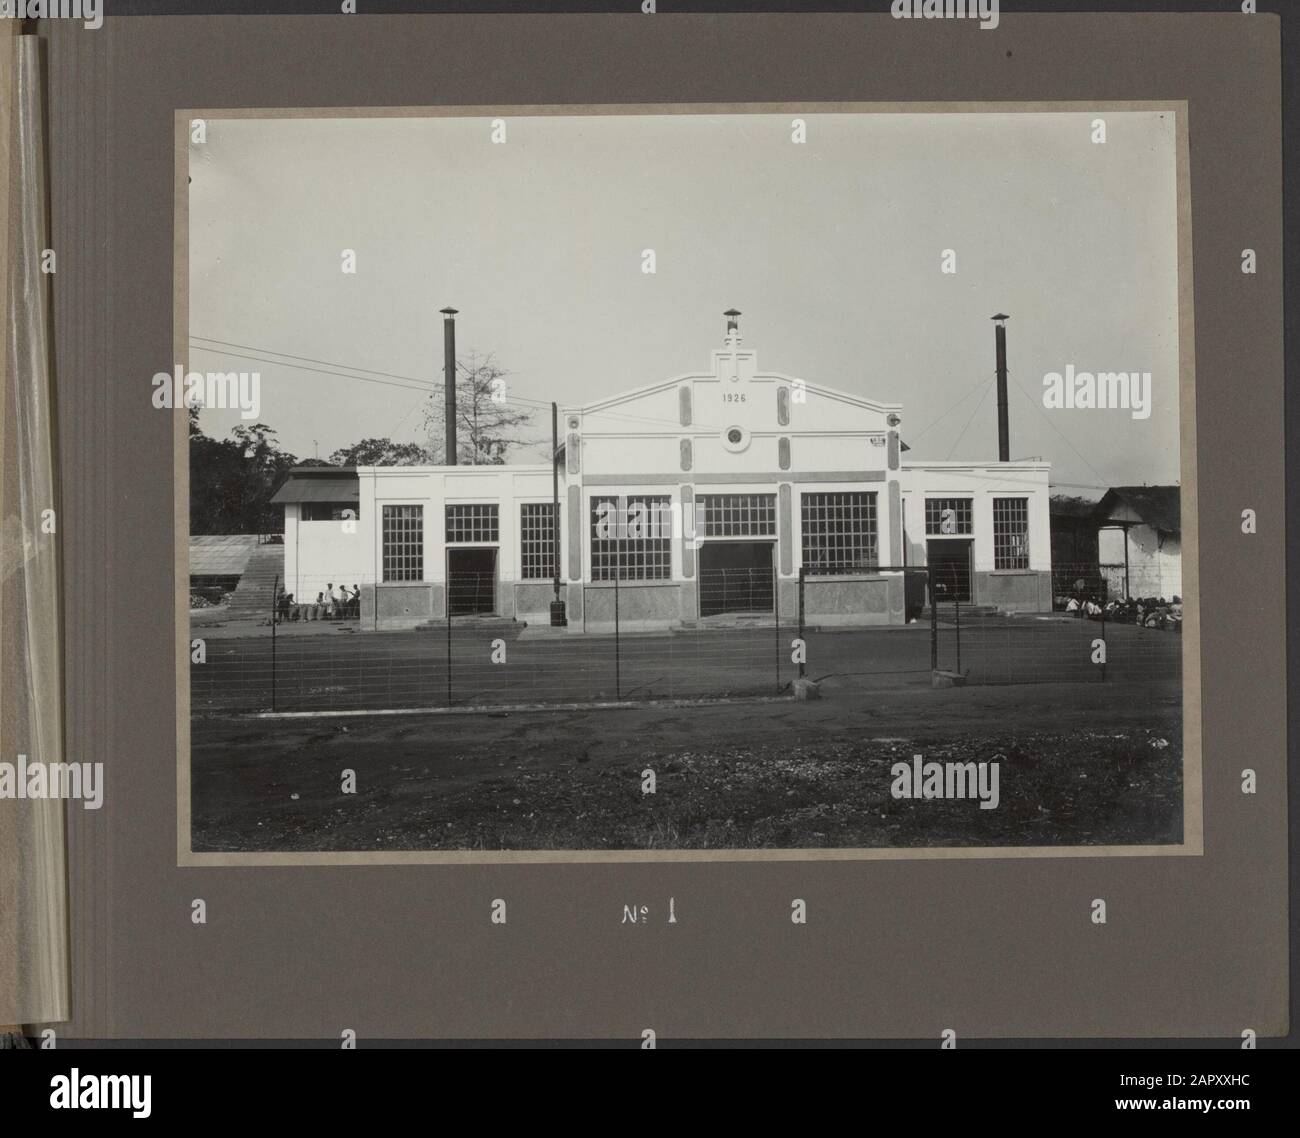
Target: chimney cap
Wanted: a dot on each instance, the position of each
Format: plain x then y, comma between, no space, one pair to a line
448,311
1000,316
731,312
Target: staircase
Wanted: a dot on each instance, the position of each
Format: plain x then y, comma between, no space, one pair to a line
252,596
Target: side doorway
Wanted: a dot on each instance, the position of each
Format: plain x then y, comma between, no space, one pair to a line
472,581
949,561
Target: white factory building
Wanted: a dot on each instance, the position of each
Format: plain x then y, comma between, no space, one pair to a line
704,494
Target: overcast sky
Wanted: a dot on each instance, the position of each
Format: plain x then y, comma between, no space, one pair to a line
831,249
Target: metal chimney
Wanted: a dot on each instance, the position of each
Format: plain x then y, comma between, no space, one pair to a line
1004,431
449,381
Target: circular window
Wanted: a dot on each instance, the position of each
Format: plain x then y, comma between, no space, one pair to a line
735,438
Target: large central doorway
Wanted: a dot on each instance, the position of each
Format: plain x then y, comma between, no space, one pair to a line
949,560
735,576
472,581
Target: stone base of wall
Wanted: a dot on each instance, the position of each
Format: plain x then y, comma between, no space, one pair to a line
642,607
858,601
852,601
1019,590
400,605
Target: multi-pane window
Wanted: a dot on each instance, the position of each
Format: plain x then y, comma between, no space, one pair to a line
403,543
1010,533
537,540
945,516
839,531
328,511
631,538
738,515
475,523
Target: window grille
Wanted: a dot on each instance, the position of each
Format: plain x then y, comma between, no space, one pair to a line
945,516
1010,533
474,524
738,515
537,540
839,531
403,543
631,538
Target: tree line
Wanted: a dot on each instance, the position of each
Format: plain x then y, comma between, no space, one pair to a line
233,480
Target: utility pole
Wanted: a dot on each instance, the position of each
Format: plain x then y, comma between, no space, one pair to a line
558,618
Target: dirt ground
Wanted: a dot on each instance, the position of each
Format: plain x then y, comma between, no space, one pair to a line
1079,763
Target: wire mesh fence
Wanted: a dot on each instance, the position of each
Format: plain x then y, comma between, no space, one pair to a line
1094,634
754,635
327,660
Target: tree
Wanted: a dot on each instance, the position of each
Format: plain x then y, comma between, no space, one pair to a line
382,452
486,425
232,480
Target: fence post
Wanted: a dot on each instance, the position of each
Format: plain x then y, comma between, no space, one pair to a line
275,589
448,639
618,677
776,621
801,631
1105,648
956,612
934,620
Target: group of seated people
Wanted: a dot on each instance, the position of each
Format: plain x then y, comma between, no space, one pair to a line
1146,612
334,602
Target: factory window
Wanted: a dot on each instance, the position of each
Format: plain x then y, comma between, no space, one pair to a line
474,524
738,515
1010,533
631,538
839,531
537,541
403,543
328,511
947,516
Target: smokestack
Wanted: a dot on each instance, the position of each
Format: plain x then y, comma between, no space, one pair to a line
449,381
1004,431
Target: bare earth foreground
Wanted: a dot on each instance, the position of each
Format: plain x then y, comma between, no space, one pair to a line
1080,764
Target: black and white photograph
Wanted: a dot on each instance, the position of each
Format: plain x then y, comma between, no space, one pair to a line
737,482
639,525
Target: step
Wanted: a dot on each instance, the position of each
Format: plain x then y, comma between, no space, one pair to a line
252,596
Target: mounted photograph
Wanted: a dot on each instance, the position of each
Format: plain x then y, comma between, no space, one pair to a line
709,483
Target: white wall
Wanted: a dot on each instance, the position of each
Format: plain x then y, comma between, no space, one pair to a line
981,482
435,487
640,432
1155,566
318,553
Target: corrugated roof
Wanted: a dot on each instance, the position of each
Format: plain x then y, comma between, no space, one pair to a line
1158,506
319,484
222,554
